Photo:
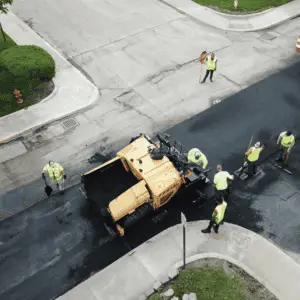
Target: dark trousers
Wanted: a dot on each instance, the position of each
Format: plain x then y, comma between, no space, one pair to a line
222,194
212,224
211,72
283,154
251,168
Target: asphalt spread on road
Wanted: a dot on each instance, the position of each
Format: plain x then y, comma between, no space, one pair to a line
55,244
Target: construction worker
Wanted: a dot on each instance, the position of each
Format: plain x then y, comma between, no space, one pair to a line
221,184
211,66
252,157
287,141
217,216
56,173
196,158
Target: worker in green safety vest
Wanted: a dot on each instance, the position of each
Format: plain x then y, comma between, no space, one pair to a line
217,216
287,141
221,183
211,67
196,158
56,174
252,157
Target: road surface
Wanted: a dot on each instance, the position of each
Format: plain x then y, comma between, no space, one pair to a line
50,247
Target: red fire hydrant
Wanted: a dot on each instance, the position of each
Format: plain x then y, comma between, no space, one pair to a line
18,96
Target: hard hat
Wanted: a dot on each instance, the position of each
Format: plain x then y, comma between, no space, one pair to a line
257,145
51,163
219,167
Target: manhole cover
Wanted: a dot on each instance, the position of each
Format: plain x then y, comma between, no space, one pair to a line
69,123
268,36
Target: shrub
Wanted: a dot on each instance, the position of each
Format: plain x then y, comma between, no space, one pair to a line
28,63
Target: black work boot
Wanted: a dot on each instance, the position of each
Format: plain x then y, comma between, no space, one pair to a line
205,230
211,80
215,229
202,81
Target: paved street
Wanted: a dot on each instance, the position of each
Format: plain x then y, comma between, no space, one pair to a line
143,58
61,240
148,77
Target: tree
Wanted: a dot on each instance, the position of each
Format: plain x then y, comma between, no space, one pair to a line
4,4
4,10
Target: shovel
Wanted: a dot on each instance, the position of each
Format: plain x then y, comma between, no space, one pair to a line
48,189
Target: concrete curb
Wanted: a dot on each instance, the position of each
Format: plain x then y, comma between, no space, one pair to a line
158,260
73,91
236,23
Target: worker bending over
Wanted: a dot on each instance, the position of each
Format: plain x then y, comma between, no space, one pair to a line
217,216
287,141
252,156
221,184
56,174
196,158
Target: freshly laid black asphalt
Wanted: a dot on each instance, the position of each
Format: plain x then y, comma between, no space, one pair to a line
54,245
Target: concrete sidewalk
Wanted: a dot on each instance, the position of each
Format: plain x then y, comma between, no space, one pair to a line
135,275
73,91
242,23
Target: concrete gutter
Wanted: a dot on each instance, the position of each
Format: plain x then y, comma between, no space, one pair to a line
73,91
239,23
137,274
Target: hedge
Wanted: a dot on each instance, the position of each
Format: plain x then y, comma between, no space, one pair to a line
28,62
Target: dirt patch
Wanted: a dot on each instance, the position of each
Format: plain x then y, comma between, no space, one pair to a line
42,91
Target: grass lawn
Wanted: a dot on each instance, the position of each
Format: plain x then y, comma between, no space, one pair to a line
32,90
211,282
9,42
243,5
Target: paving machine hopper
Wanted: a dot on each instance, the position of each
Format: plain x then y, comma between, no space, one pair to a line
143,177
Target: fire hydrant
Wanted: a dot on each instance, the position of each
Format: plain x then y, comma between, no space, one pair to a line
18,96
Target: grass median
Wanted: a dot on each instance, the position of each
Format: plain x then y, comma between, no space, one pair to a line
28,69
244,6
215,279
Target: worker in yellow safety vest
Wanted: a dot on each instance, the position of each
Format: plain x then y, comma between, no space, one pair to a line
252,156
56,174
211,67
217,216
287,141
221,183
196,158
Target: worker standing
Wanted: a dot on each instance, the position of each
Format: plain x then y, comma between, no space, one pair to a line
287,141
221,184
211,67
196,158
56,174
217,216
252,157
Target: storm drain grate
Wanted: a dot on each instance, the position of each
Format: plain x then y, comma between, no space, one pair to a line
69,123
268,36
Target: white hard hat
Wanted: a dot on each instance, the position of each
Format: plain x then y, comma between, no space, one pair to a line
257,145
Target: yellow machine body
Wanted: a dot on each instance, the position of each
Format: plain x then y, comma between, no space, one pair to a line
158,180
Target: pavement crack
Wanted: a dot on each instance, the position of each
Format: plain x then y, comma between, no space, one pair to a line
232,81
128,106
123,38
77,66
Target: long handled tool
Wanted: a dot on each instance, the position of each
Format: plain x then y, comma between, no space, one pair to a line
244,165
202,60
48,189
